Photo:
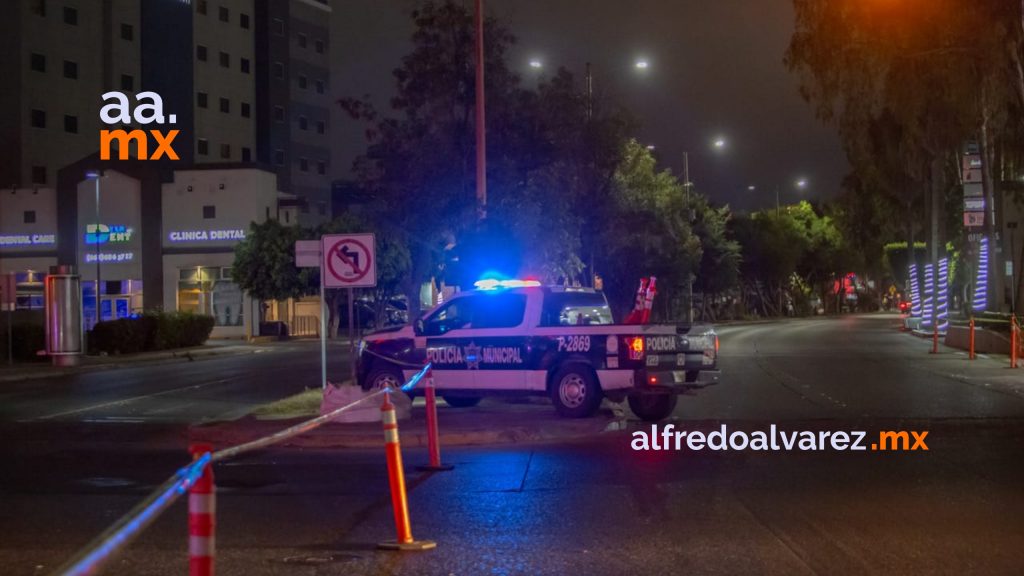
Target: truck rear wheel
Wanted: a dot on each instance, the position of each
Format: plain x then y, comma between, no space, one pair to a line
575,391
382,377
651,406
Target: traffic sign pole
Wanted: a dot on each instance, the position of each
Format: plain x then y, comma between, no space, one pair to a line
323,333
348,261
351,337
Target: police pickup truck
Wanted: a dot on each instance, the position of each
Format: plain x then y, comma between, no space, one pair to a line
524,338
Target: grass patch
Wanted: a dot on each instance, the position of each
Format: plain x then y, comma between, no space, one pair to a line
305,403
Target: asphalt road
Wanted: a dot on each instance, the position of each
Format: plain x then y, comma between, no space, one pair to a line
588,507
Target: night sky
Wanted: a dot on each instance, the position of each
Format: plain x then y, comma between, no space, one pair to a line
715,70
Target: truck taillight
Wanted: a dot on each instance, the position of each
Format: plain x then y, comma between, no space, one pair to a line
716,345
636,347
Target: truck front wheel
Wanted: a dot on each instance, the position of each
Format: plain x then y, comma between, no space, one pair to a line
650,406
575,391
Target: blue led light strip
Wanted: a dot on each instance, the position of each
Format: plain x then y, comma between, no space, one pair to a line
942,296
981,284
915,293
928,304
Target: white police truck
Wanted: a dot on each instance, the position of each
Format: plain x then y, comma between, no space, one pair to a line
518,337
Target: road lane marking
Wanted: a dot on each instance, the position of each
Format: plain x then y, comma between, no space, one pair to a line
126,400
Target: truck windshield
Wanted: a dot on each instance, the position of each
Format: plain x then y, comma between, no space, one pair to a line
575,309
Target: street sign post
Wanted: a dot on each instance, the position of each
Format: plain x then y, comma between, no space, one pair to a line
347,261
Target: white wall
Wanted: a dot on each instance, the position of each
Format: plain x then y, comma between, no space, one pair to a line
239,197
16,235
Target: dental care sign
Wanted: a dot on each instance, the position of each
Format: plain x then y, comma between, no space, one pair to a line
206,235
349,261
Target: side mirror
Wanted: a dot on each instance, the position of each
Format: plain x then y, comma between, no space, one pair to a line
418,327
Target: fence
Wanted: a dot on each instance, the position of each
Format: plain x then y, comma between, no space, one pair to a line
196,479
304,326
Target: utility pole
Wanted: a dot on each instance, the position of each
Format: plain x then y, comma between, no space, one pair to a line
590,93
481,133
689,276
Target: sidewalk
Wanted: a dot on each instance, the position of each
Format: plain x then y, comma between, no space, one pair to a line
38,370
493,421
990,371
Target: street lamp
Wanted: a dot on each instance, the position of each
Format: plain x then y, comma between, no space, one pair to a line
642,64
95,176
536,64
719,143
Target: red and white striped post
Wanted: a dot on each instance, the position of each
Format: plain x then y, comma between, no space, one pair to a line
970,351
935,339
433,442
396,480
201,518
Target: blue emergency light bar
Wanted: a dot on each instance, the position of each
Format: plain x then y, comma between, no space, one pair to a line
496,284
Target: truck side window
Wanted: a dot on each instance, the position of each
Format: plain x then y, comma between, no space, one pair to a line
575,309
499,311
456,314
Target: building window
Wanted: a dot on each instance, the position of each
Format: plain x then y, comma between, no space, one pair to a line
224,14
243,21
38,118
225,105
321,167
320,87
39,7
201,7
29,217
302,81
279,157
302,40
278,26
39,174
225,151
203,146
321,127
318,45
244,64
127,32
71,69
37,62
127,82
209,212
71,124
212,292
304,164
201,98
70,16
303,123
279,113
246,111
278,70
225,59
201,53
246,154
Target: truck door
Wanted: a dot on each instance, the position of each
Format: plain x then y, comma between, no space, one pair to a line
498,341
446,332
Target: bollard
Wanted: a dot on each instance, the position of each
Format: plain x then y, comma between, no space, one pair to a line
201,518
1013,341
396,480
433,442
935,340
970,340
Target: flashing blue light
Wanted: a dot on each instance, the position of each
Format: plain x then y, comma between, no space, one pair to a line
915,293
981,285
942,296
496,284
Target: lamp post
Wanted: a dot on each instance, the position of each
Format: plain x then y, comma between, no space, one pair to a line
95,176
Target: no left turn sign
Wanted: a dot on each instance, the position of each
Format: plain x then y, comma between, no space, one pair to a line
349,261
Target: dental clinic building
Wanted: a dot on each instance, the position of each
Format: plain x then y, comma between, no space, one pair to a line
155,238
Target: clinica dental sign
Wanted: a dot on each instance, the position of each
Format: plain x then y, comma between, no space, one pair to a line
149,109
205,235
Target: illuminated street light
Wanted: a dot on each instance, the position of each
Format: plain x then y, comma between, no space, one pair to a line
642,64
801,183
719,143
650,147
751,188
536,64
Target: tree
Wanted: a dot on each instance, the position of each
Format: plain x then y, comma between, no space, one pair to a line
265,263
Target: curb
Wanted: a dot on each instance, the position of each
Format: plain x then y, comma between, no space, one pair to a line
184,356
412,433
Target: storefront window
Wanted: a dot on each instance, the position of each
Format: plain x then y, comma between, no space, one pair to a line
29,290
210,290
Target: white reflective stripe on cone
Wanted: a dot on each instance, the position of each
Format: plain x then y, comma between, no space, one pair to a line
200,546
391,436
201,504
389,417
